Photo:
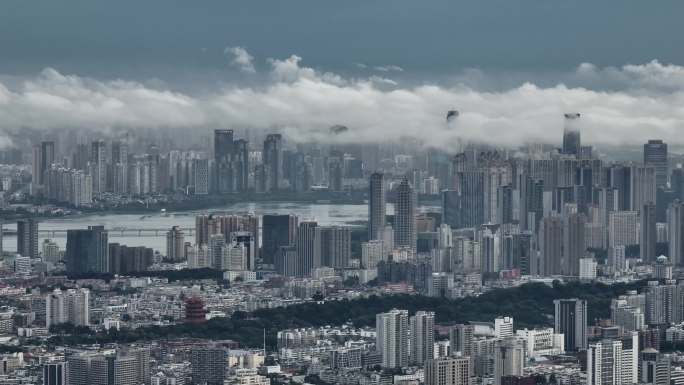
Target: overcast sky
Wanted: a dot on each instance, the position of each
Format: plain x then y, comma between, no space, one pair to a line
133,38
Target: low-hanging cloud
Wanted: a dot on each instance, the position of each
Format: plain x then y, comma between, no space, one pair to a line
241,59
644,102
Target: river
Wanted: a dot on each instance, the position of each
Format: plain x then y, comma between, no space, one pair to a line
324,214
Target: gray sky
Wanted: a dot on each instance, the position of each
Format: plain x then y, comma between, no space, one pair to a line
174,38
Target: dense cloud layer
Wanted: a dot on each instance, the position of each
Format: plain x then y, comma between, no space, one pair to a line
644,101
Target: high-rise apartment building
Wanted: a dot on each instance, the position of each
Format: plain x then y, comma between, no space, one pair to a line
648,232
273,162
422,337
391,342
27,237
675,226
175,244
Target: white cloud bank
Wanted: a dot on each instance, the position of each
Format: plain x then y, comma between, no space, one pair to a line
304,103
241,59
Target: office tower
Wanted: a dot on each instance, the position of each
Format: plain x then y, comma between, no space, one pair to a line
1,236
655,367
277,231
376,206
98,166
655,154
573,243
70,306
43,158
223,156
570,319
175,244
335,174
509,358
392,338
448,371
405,216
208,365
675,227
461,339
335,246
647,228
55,373
422,341
623,228
27,237
372,253
571,134
308,248
87,250
503,327
273,161
642,186
550,247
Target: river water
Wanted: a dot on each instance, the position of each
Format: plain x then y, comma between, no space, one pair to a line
324,214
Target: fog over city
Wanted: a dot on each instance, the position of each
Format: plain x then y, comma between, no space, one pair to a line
625,105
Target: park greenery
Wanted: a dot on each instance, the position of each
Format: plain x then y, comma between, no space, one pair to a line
531,305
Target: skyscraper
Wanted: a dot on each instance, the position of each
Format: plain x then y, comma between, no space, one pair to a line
87,250
422,337
391,339
175,244
308,248
223,145
573,243
278,231
675,225
570,319
550,246
43,158
27,237
404,216
649,233
335,246
273,161
376,206
655,154
98,166
571,135
461,339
